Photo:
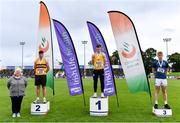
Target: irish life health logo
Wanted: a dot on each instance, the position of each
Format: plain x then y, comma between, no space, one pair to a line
128,50
44,45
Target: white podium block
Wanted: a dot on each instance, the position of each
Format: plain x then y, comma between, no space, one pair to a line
40,108
162,112
98,106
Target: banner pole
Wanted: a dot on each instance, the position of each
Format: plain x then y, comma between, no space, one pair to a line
117,99
84,100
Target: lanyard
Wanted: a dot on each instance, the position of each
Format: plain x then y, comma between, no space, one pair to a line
98,54
160,64
40,61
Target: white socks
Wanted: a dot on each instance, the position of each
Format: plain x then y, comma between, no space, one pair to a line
102,95
44,99
156,102
165,102
95,94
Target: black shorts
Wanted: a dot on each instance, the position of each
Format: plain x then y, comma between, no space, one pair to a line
98,73
40,80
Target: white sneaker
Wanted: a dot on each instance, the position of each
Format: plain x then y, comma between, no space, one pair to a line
18,115
95,95
14,115
102,95
44,100
37,100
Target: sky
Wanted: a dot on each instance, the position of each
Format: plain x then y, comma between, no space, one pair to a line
153,19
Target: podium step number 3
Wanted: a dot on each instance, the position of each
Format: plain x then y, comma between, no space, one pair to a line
98,106
162,112
40,108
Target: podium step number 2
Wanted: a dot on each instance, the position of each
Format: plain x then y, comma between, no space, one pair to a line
98,106
40,108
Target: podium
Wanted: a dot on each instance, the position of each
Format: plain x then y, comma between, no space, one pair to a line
162,112
98,106
40,108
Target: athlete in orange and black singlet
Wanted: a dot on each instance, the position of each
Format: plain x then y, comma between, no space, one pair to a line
41,68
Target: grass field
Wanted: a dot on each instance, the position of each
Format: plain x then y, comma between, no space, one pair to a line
174,74
133,107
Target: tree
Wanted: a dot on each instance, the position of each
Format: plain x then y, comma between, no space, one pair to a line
148,58
60,63
115,58
90,62
174,59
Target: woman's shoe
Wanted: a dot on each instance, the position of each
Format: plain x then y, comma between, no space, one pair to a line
18,115
14,115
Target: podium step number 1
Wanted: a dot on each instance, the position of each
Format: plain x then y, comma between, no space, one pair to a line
99,106
40,108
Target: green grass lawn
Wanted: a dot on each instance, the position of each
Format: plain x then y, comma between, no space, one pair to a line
174,74
133,107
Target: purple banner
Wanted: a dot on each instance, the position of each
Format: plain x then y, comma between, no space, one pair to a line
69,58
97,38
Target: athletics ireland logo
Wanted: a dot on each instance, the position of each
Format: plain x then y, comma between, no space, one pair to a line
128,50
44,45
